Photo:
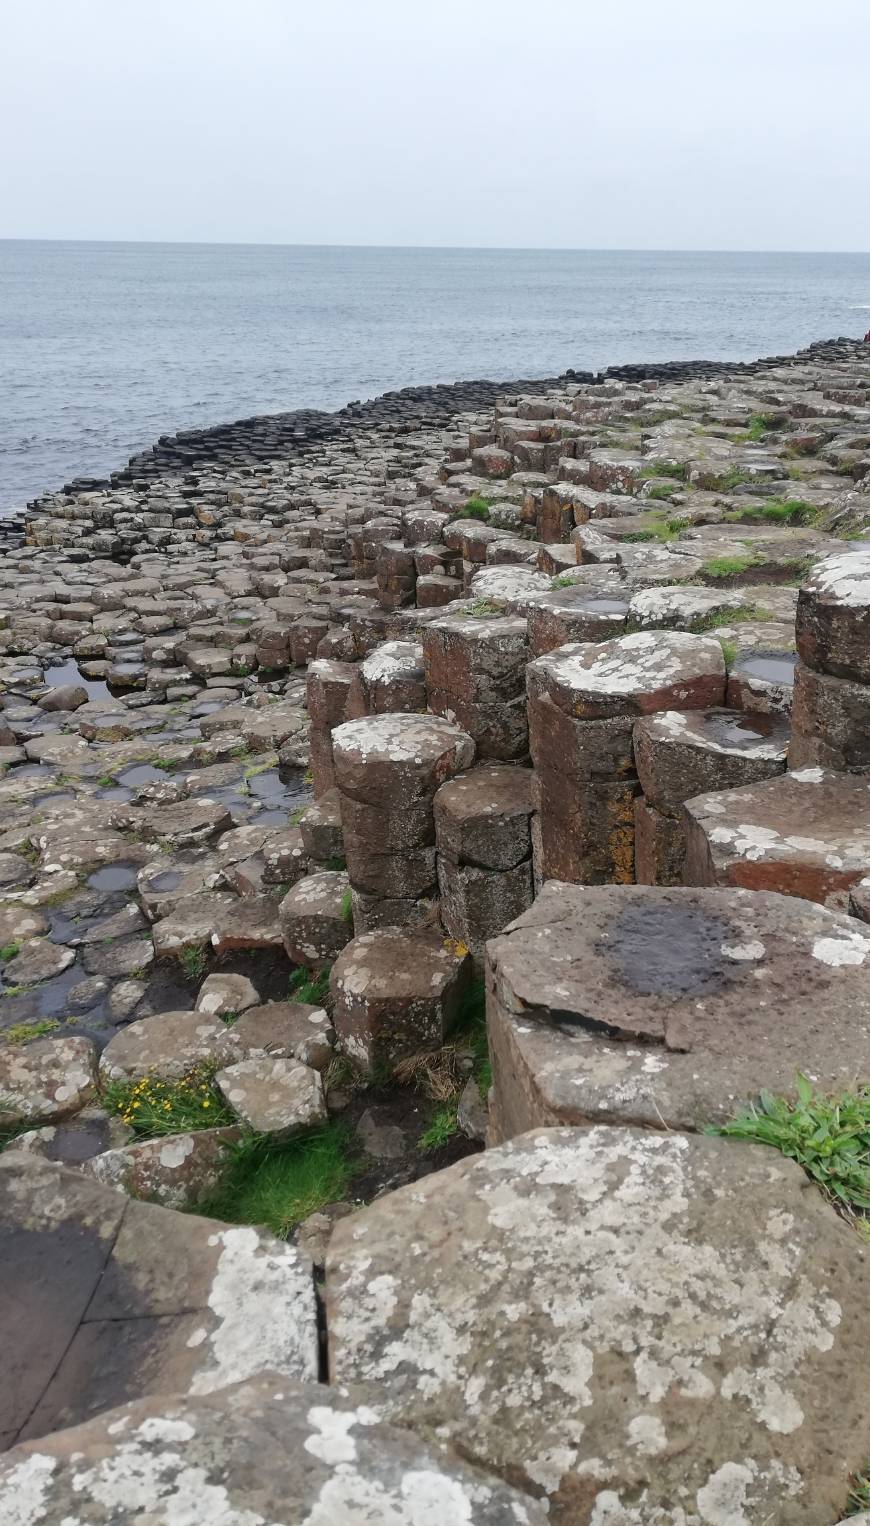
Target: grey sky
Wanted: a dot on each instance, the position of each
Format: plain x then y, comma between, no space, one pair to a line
698,124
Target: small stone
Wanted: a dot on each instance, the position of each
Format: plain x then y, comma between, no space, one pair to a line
220,994
273,1096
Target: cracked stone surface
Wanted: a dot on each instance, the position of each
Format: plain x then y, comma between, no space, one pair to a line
595,1314
106,1299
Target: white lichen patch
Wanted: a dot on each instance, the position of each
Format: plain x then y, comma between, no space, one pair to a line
261,1285
576,1275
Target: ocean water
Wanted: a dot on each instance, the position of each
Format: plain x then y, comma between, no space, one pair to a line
105,346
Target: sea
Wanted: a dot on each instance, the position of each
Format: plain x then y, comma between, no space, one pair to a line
106,346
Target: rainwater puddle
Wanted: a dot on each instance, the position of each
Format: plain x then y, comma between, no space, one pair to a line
114,877
70,673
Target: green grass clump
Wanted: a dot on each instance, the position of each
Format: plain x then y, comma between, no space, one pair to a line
761,424
729,650
347,907
193,962
563,580
443,1124
23,1033
728,566
297,815
280,1184
106,781
153,1107
311,989
661,493
673,469
859,1494
482,608
9,950
474,508
664,530
828,1135
791,511
739,615
726,480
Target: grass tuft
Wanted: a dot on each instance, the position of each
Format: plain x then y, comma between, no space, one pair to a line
347,907
474,508
9,951
442,1127
153,1107
193,963
859,1494
279,1184
312,989
828,1135
728,566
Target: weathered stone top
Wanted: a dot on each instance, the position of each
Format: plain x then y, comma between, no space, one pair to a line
415,739
632,675
643,1328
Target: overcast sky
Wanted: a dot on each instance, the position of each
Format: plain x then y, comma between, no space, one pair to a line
676,124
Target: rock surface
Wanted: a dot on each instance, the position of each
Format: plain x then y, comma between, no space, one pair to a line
269,1449
637,1327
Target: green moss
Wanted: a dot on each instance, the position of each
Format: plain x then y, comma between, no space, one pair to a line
726,480
9,951
481,609
23,1033
280,1184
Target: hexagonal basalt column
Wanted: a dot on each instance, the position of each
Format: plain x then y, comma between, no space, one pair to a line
582,703
679,754
482,824
832,681
328,689
806,833
575,614
388,769
388,681
475,676
396,994
669,1007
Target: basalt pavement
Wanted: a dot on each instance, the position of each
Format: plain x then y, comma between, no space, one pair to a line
563,687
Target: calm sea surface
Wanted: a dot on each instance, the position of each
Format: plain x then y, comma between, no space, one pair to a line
105,346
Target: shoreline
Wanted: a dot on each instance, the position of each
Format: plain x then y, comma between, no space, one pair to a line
260,437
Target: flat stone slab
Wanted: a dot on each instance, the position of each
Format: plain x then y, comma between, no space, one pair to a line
274,1096
644,1328
106,1299
670,1007
169,1044
806,833
303,1454
631,675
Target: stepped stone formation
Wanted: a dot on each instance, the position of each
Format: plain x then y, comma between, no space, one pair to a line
312,726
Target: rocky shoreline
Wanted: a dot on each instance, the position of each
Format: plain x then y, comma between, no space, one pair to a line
318,732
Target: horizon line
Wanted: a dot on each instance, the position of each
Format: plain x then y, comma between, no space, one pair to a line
414,248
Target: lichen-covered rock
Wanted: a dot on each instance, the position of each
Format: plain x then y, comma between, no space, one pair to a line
177,1170
315,920
396,993
45,1081
806,833
109,1299
168,1045
287,1030
832,626
273,1096
222,994
644,1328
266,1450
